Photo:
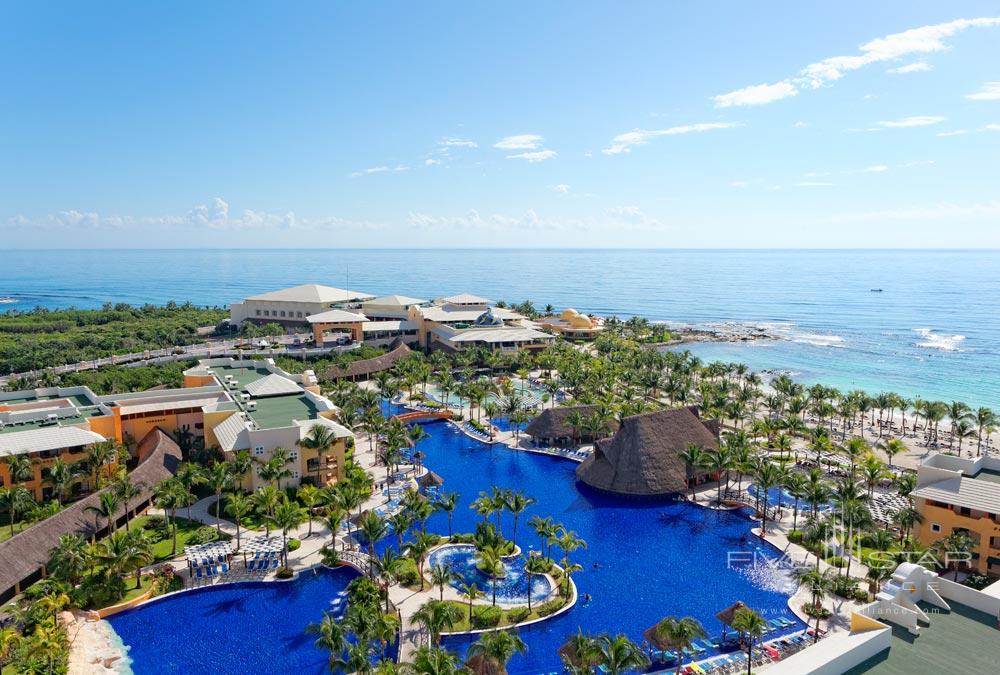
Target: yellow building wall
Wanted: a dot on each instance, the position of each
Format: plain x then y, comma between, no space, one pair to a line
949,520
37,481
212,420
105,426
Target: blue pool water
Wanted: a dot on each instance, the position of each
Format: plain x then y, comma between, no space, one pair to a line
251,627
776,495
654,558
512,589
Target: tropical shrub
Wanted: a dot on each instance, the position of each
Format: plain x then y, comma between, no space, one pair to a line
486,616
549,607
203,535
517,615
294,544
795,536
284,573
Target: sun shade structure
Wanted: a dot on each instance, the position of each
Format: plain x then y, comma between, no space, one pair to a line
727,615
643,457
430,479
208,553
261,544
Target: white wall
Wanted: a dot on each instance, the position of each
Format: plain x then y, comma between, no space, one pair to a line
835,654
964,595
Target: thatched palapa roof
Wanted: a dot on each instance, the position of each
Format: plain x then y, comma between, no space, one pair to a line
642,459
23,555
726,616
430,479
367,367
553,422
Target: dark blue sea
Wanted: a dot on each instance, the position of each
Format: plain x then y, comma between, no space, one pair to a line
933,331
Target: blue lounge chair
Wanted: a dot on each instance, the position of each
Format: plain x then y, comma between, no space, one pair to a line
197,572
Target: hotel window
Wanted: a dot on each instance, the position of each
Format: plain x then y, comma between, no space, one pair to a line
258,451
295,475
935,527
293,456
258,312
267,313
300,314
282,312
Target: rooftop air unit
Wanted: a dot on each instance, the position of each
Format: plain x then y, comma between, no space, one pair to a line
251,405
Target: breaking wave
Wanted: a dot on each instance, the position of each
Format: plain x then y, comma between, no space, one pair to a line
932,340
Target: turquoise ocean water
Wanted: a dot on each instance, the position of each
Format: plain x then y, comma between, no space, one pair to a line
933,331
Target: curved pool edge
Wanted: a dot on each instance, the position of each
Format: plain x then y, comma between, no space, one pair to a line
562,610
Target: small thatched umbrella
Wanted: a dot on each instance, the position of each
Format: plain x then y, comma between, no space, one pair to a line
430,479
480,665
726,616
653,637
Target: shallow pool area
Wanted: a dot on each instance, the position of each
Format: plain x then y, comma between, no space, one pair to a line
780,497
247,627
512,588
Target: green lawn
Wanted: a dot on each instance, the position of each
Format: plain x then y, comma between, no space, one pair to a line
162,549
18,527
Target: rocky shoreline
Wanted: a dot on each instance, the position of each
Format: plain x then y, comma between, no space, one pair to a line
734,332
94,646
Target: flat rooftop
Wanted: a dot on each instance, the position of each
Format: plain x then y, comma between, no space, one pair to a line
988,475
75,399
243,376
69,421
279,411
963,640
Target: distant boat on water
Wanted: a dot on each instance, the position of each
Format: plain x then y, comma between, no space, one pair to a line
7,300
876,290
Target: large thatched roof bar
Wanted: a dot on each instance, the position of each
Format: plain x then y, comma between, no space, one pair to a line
642,459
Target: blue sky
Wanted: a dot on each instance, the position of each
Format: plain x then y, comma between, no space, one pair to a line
640,124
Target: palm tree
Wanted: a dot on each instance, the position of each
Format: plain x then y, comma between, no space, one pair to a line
331,637
105,507
374,527
490,563
240,465
171,495
417,548
238,507
70,559
905,519
876,576
433,661
287,515
190,475
818,584
546,531
266,499
218,479
617,655
694,458
494,649
49,642
447,502
437,616
308,496
986,419
679,634
60,476
321,439
15,500
122,553
442,575
954,550
534,565
516,503
386,568
470,592
718,463
751,624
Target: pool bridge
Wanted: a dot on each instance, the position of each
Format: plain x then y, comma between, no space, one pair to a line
423,415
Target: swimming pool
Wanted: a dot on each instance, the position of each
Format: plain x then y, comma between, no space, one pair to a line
512,589
645,559
779,495
532,394
248,627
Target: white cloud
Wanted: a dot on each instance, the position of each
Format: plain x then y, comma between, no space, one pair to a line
520,142
757,94
919,162
923,40
534,156
212,215
738,184
799,125
992,127
956,132
813,183
989,92
455,142
624,142
632,217
916,67
382,168
562,189
878,168
914,121
431,162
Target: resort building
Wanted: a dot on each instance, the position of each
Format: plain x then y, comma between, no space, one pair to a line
961,495
390,307
235,405
461,321
292,306
643,457
572,325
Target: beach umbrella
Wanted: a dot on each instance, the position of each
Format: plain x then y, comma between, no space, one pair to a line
430,479
726,616
652,636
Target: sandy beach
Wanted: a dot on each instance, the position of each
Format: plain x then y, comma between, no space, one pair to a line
94,646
